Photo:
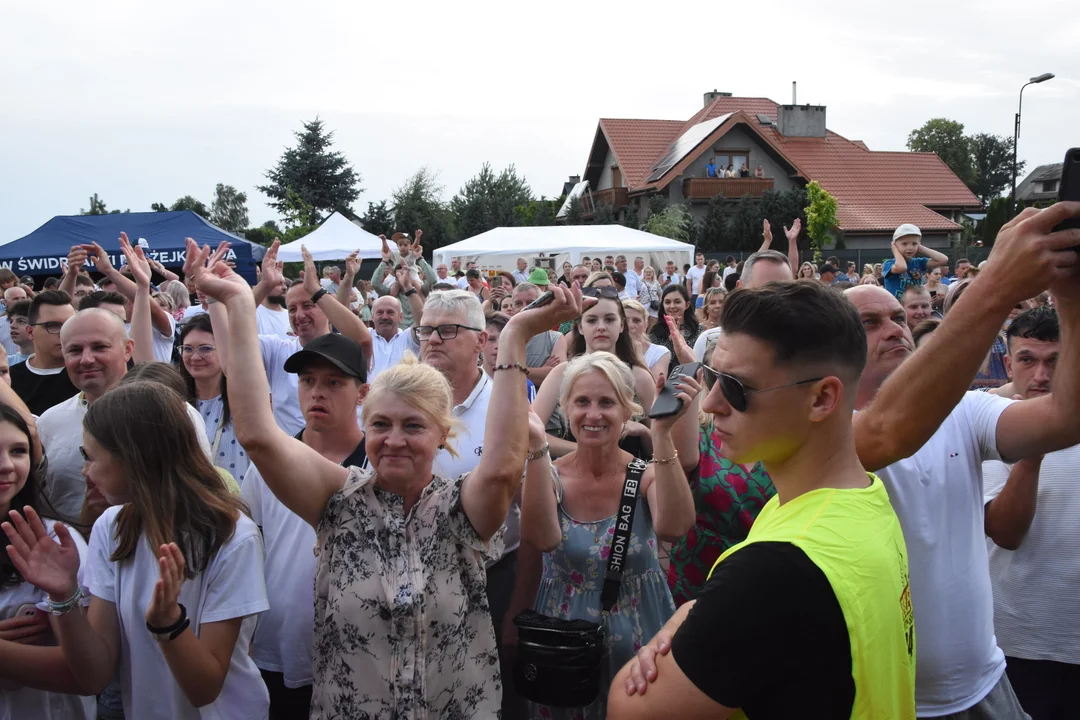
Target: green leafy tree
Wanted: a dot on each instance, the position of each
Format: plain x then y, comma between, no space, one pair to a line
379,219
820,217
299,218
264,234
946,138
97,207
657,204
189,203
229,209
997,214
537,213
418,205
632,216
488,201
574,213
159,207
713,231
993,155
745,227
674,222
321,177
604,214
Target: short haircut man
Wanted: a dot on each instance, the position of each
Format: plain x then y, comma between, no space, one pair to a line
41,381
18,316
917,304
1032,340
825,560
114,302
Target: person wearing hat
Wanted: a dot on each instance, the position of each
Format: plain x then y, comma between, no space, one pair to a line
907,267
827,273
332,372
540,355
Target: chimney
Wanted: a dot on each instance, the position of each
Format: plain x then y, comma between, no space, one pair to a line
801,120
710,96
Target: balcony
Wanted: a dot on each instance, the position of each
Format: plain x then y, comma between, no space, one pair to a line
731,188
617,198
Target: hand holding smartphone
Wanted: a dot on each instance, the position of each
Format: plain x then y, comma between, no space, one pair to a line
1069,188
667,403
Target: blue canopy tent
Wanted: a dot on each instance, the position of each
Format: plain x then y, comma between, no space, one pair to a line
45,251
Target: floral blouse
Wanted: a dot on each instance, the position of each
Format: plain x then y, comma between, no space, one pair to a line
402,624
727,499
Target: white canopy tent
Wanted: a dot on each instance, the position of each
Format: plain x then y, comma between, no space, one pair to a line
500,248
335,239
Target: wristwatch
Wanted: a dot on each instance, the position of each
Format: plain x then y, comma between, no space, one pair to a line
318,296
410,292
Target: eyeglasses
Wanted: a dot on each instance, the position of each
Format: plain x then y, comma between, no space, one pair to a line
203,350
423,333
601,292
737,394
53,328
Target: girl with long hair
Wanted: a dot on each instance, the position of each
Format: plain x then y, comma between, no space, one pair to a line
676,305
207,387
806,272
656,357
649,294
711,308
25,633
175,569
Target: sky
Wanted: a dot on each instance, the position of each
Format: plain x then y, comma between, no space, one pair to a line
146,102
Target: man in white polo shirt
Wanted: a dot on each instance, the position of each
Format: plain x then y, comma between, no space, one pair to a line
389,341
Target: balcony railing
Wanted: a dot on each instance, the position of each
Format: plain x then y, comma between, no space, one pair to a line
617,198
733,188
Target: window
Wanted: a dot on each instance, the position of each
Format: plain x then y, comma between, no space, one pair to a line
1050,186
738,159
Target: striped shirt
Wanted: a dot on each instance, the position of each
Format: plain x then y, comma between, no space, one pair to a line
1036,606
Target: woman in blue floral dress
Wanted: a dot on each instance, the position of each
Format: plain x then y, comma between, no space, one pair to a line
569,507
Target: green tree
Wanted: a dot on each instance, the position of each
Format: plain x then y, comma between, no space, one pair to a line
159,207
97,207
379,219
997,214
657,204
713,232
632,216
418,205
993,155
674,222
745,227
820,217
537,213
264,234
574,213
946,138
321,177
604,214
299,218
229,209
488,201
189,203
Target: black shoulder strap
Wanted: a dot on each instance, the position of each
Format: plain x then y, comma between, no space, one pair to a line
624,522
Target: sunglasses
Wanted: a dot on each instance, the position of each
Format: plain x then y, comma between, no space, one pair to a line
735,393
600,292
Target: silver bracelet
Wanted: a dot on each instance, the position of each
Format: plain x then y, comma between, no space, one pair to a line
539,453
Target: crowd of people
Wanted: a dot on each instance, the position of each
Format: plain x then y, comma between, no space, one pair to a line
342,497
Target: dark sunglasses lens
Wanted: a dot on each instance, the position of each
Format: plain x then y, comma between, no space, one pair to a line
734,392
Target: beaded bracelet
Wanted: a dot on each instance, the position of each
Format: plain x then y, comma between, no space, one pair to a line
666,461
65,606
539,453
512,366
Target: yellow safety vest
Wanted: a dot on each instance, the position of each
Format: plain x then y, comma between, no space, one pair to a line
854,537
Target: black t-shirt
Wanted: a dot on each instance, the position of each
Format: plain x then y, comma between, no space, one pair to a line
41,392
358,457
767,635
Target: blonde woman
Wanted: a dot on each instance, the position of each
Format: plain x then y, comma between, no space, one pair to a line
570,506
657,357
649,294
711,308
402,622
806,272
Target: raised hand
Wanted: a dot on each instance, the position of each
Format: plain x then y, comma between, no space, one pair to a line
417,248
190,259
271,269
136,261
76,259
566,304
687,389
52,565
219,281
537,431
101,258
1028,256
309,276
766,232
404,278
385,249
792,233
164,610
352,264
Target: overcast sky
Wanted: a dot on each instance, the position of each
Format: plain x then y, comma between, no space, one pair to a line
145,102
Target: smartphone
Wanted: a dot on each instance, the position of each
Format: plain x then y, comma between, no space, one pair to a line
26,610
666,403
1069,187
541,301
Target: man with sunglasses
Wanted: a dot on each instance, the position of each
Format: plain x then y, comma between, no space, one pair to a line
810,615
927,439
42,380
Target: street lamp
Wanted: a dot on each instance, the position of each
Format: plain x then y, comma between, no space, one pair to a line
1016,135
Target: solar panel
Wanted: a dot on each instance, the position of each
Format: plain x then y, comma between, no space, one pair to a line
684,144
577,192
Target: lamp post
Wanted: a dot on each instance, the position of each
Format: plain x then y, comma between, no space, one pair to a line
1016,135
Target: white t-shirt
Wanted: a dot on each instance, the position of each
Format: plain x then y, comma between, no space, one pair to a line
469,444
28,703
694,275
283,638
273,322
162,344
61,429
633,283
702,343
193,310
386,354
938,496
1036,601
284,386
655,354
673,278
231,586
728,271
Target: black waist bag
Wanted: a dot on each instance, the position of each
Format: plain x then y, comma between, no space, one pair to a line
559,661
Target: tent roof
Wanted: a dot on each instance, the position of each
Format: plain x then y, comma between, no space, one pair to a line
40,252
555,239
334,239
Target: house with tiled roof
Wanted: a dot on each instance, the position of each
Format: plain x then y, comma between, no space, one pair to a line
1040,187
876,192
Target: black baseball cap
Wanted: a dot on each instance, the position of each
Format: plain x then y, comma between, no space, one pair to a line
344,353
